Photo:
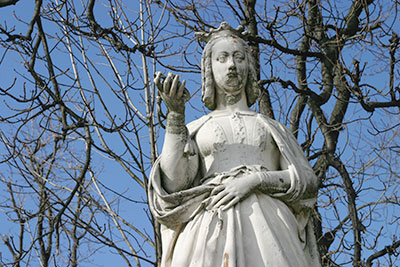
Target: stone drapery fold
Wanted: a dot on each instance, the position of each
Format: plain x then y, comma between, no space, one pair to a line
261,230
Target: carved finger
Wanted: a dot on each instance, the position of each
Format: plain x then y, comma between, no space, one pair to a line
226,199
181,89
233,202
157,80
174,86
167,83
217,189
216,199
164,96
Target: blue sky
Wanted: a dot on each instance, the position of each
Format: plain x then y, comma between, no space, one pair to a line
113,176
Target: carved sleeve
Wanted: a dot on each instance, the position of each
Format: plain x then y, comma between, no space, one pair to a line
271,182
179,161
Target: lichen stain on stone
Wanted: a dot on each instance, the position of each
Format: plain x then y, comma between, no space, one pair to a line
226,261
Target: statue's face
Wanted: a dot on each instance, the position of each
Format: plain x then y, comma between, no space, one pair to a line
229,65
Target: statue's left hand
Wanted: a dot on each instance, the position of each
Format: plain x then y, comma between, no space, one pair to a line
172,91
229,194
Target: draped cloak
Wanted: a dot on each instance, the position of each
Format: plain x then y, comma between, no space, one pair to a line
261,230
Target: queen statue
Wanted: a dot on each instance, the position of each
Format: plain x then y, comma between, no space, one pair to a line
232,188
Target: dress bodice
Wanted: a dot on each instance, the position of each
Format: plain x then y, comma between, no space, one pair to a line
228,141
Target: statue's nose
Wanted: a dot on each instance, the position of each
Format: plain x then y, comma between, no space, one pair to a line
232,66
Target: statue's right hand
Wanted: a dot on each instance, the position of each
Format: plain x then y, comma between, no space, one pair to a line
172,91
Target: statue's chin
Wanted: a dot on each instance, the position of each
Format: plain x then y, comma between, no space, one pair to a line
234,90
233,87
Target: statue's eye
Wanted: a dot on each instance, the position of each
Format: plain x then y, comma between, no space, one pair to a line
239,57
221,58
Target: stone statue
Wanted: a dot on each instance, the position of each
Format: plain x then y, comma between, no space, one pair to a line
232,188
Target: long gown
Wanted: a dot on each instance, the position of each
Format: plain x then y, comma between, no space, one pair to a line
261,230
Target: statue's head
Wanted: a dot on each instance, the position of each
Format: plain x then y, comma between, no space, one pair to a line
222,37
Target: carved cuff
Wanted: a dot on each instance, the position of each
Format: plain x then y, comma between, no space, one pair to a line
176,123
274,181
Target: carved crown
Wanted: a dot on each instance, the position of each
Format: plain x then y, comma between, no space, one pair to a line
224,30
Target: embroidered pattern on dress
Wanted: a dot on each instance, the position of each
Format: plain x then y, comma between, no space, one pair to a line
260,132
219,135
238,128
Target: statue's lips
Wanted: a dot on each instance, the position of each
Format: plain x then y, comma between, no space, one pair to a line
232,79
232,75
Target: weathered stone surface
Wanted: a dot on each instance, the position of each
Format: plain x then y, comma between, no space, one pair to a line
232,188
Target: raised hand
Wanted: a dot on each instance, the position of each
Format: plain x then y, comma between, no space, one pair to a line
172,91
